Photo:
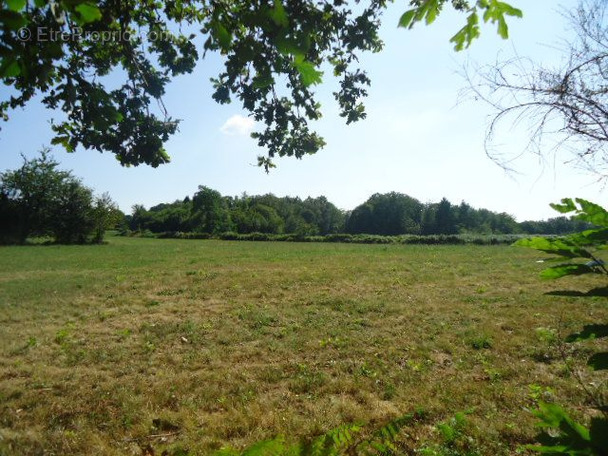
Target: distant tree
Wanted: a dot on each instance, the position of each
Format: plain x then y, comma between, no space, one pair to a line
257,214
39,199
209,211
361,220
428,224
465,218
32,192
138,218
72,217
445,219
386,214
505,223
328,218
556,225
106,215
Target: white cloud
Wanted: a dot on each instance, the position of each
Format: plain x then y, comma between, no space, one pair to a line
238,125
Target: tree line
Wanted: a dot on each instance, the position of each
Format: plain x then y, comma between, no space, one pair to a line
41,200
388,214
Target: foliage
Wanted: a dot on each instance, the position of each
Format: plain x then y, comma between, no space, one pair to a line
561,434
576,247
408,239
389,214
210,212
386,214
39,199
493,11
106,215
572,438
395,213
343,440
273,54
569,102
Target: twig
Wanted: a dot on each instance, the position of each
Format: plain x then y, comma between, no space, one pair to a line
152,436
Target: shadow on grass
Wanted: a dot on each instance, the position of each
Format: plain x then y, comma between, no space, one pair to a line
600,291
589,332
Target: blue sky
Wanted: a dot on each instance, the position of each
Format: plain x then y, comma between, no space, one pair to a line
420,137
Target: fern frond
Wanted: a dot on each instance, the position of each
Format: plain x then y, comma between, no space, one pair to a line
270,447
382,440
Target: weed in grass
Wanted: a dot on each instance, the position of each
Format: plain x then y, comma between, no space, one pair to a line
454,439
547,336
123,334
151,303
62,336
306,380
480,341
540,393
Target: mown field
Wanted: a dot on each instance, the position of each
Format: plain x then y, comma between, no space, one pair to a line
144,345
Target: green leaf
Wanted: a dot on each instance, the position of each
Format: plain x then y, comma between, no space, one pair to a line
510,10
561,247
590,237
261,81
433,8
407,19
503,29
465,36
291,46
222,35
553,416
563,270
278,14
89,12
9,68
16,5
12,19
308,72
598,361
428,10
63,141
592,213
588,211
566,206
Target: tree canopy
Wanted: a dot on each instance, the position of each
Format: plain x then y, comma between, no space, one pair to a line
273,53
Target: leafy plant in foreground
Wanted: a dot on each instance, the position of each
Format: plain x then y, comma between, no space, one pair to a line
343,440
578,254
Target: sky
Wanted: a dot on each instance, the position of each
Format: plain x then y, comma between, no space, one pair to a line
421,137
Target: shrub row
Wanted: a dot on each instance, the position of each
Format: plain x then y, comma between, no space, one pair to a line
434,239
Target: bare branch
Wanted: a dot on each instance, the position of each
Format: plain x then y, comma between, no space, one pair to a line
569,103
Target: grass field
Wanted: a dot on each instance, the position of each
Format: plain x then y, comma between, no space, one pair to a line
187,346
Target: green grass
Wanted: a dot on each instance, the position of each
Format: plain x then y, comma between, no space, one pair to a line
193,345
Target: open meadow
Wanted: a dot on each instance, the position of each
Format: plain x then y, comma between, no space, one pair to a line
142,345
